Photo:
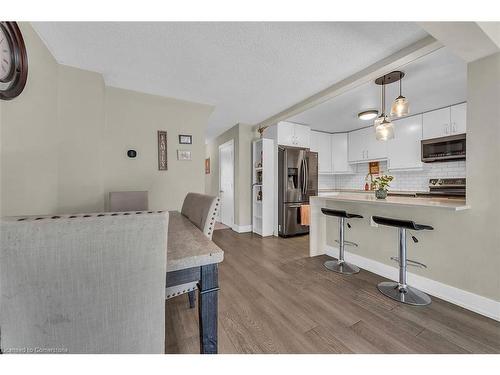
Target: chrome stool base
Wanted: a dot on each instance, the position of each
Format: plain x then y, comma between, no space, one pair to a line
408,295
341,267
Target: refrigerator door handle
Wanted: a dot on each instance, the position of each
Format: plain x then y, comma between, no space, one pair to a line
303,176
307,177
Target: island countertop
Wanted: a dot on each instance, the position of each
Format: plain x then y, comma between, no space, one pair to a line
453,204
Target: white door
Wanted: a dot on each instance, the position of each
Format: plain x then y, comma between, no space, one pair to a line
459,118
226,183
436,123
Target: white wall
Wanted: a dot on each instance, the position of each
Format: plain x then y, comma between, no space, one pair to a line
64,139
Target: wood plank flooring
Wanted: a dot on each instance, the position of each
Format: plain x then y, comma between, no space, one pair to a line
274,298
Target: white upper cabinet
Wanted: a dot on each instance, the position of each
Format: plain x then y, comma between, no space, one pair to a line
437,123
302,135
322,144
332,152
444,122
364,147
290,134
403,151
339,153
458,115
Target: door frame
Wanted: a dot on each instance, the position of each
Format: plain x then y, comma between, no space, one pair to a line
229,143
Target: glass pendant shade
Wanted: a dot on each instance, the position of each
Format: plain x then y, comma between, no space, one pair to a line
384,131
400,107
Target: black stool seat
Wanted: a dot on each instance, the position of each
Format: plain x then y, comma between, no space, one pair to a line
339,213
407,224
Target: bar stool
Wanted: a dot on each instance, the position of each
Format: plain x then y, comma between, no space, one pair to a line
400,291
340,265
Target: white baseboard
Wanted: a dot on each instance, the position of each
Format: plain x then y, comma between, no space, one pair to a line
241,228
467,300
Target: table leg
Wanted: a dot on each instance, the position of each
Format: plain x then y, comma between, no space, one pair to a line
208,309
192,298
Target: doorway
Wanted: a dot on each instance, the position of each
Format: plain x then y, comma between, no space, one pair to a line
226,183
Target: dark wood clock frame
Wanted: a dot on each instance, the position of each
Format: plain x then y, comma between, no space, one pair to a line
20,59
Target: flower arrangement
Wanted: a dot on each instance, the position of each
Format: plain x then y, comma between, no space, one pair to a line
381,184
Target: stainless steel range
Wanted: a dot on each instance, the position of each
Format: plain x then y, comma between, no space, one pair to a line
446,187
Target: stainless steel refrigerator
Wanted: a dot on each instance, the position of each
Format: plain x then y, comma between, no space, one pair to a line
297,181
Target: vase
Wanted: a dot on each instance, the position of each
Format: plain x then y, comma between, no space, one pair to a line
381,193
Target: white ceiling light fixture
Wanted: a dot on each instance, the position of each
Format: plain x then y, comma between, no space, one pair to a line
400,107
368,115
384,130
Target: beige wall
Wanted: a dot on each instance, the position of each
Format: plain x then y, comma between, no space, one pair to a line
242,134
132,120
464,249
29,144
64,141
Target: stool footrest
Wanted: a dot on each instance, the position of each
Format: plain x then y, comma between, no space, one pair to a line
348,243
410,262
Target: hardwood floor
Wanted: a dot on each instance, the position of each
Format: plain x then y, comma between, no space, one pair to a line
274,298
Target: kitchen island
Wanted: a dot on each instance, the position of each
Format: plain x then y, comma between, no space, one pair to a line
445,251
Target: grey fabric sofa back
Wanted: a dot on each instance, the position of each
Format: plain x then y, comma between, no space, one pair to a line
83,283
201,209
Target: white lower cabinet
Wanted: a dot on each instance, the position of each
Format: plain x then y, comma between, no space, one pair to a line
403,151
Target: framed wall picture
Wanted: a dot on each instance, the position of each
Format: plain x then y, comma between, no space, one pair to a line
162,150
183,155
207,166
185,139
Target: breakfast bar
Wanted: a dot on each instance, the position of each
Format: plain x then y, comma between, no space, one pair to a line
374,247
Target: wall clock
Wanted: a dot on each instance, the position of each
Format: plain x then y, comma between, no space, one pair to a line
13,61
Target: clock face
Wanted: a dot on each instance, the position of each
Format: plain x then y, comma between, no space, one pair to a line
6,57
13,61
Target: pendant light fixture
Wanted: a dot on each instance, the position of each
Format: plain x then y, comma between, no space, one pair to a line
400,106
384,129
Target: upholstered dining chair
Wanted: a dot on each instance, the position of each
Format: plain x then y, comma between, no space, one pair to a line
120,201
201,210
83,283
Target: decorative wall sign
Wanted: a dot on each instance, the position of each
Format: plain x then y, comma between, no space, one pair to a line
183,155
374,167
185,139
162,150
207,166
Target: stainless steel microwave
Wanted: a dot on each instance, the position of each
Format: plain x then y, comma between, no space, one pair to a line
448,148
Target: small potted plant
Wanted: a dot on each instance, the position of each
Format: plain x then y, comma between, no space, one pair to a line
381,184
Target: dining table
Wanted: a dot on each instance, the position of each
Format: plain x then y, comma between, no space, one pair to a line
193,257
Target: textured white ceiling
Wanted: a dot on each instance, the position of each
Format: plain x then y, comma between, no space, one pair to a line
433,81
249,71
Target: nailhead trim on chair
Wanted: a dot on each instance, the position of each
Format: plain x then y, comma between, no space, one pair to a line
179,293
55,217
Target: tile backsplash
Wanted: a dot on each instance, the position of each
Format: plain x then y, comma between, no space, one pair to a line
403,180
